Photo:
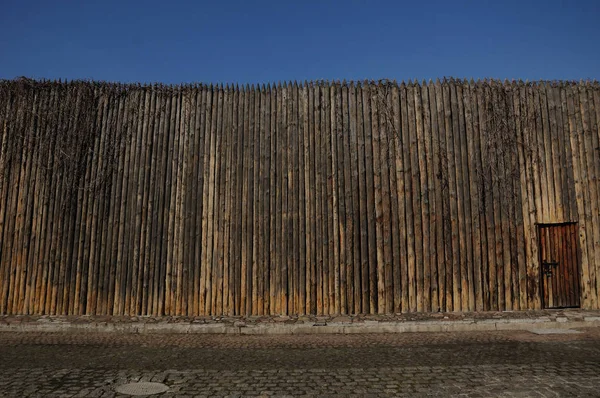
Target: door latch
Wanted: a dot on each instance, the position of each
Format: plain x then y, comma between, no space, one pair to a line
547,267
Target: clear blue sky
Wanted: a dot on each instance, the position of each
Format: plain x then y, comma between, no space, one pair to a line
268,41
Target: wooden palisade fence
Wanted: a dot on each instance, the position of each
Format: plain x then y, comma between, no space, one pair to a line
323,198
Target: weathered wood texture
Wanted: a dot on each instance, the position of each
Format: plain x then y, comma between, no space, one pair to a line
370,197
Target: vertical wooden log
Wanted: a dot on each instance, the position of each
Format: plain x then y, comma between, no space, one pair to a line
185,214
310,130
249,214
386,119
516,222
522,210
293,197
254,198
415,130
592,146
189,205
61,205
430,129
422,129
26,186
145,199
580,177
215,263
498,186
570,205
401,270
143,161
335,248
363,220
36,198
259,189
123,203
321,221
589,161
275,199
218,278
241,140
134,233
98,209
525,160
159,300
15,203
228,213
347,305
409,281
208,242
178,238
73,200
464,198
42,215
378,204
550,212
436,219
332,254
303,227
593,93
357,244
458,238
452,271
270,186
6,190
279,238
171,204
338,199
114,208
556,151
155,267
9,205
208,150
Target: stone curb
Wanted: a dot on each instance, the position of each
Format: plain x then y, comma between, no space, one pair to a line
298,329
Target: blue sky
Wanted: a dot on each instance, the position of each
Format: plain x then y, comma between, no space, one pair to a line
269,41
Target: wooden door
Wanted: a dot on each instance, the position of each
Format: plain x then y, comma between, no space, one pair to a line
559,265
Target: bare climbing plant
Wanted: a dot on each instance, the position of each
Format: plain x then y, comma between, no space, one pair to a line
58,128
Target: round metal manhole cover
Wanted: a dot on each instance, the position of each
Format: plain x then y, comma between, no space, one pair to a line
141,388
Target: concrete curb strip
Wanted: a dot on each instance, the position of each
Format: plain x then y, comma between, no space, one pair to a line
44,325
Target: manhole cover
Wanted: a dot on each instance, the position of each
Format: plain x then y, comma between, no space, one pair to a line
142,388
554,331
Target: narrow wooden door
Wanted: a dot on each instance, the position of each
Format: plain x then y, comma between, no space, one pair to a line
559,266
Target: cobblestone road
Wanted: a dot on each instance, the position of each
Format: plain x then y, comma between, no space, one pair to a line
516,363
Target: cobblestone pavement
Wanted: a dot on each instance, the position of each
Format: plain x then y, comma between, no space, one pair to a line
470,364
